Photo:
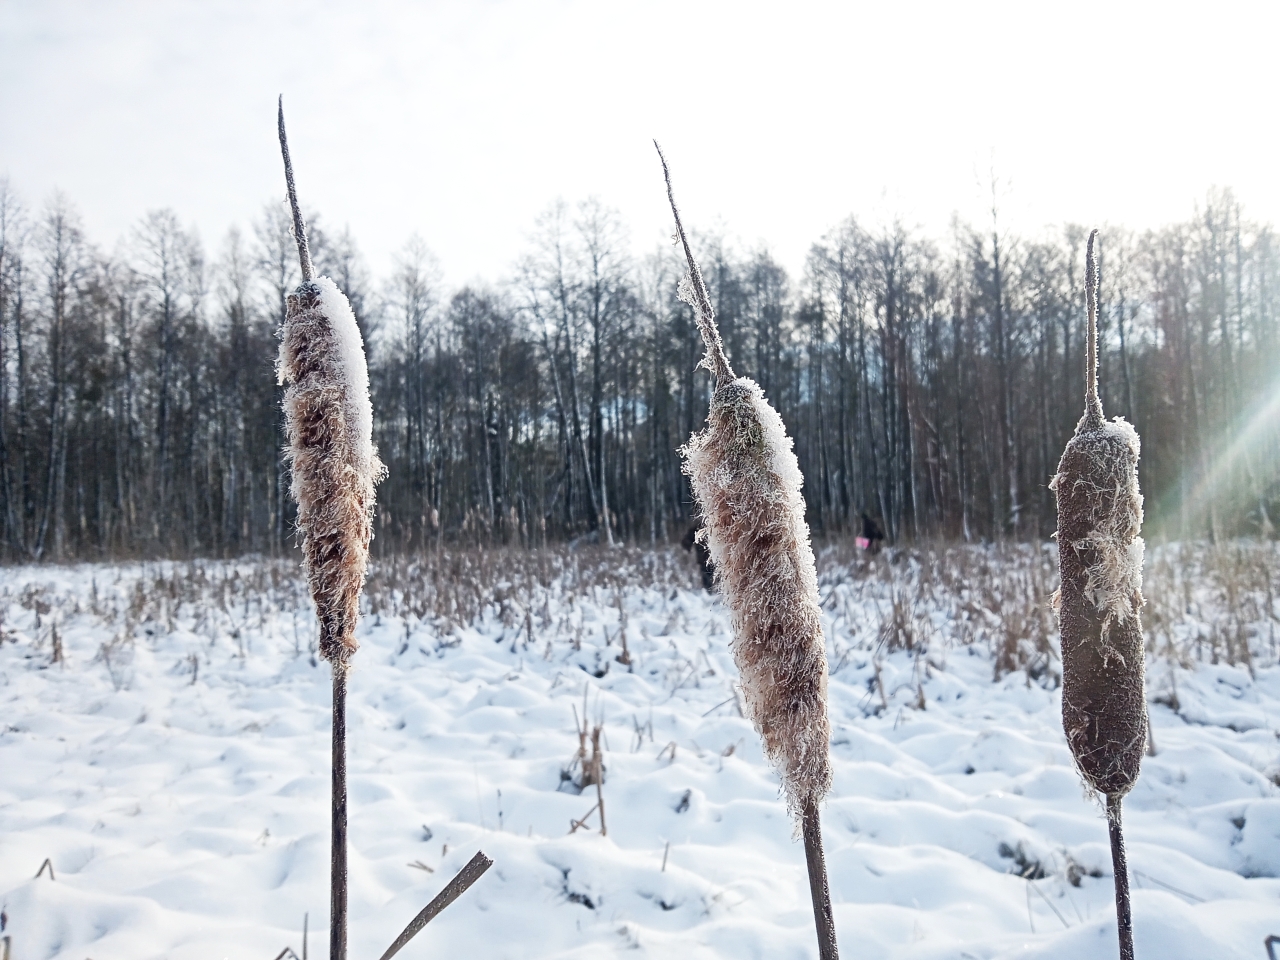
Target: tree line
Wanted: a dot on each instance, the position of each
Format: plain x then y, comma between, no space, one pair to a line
929,382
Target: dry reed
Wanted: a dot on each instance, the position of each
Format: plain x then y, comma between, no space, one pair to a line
335,467
1099,601
747,482
329,423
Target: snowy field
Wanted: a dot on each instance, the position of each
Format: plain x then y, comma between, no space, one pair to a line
172,764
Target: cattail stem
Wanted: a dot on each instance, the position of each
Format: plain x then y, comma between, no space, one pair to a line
716,358
1092,405
299,228
338,822
1120,867
819,889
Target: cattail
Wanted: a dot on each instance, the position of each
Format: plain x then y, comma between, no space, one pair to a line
1100,562
329,422
747,483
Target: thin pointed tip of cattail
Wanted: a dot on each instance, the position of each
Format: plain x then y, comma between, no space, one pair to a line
1093,406
299,228
1091,262
671,197
661,156
697,295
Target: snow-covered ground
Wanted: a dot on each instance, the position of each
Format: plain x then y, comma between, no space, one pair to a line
173,767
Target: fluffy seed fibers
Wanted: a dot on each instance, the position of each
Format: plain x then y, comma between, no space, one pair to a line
335,467
747,481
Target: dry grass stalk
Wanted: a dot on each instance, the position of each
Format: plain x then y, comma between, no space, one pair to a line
1100,561
747,481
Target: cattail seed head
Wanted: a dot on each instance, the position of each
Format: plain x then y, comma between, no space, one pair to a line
329,422
1099,601
747,481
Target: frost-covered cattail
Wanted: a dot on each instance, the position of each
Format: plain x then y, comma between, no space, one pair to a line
335,467
329,422
747,483
1099,602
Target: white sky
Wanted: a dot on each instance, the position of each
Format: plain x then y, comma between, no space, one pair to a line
464,120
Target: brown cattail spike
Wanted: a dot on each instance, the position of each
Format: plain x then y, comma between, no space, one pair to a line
299,228
1100,559
747,481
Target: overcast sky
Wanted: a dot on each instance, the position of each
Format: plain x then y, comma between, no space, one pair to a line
463,120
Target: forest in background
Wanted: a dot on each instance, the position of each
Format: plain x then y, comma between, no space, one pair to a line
928,381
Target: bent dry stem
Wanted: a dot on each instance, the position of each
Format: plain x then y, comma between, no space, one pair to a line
455,888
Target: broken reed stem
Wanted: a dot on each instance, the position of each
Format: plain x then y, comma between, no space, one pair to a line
338,819
299,228
1120,867
819,889
456,887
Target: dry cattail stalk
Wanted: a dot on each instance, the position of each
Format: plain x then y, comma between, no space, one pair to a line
329,422
747,482
1100,561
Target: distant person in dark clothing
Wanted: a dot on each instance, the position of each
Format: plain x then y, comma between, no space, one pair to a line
703,555
872,538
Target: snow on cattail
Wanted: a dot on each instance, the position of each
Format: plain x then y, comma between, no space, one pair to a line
747,482
1099,601
329,422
